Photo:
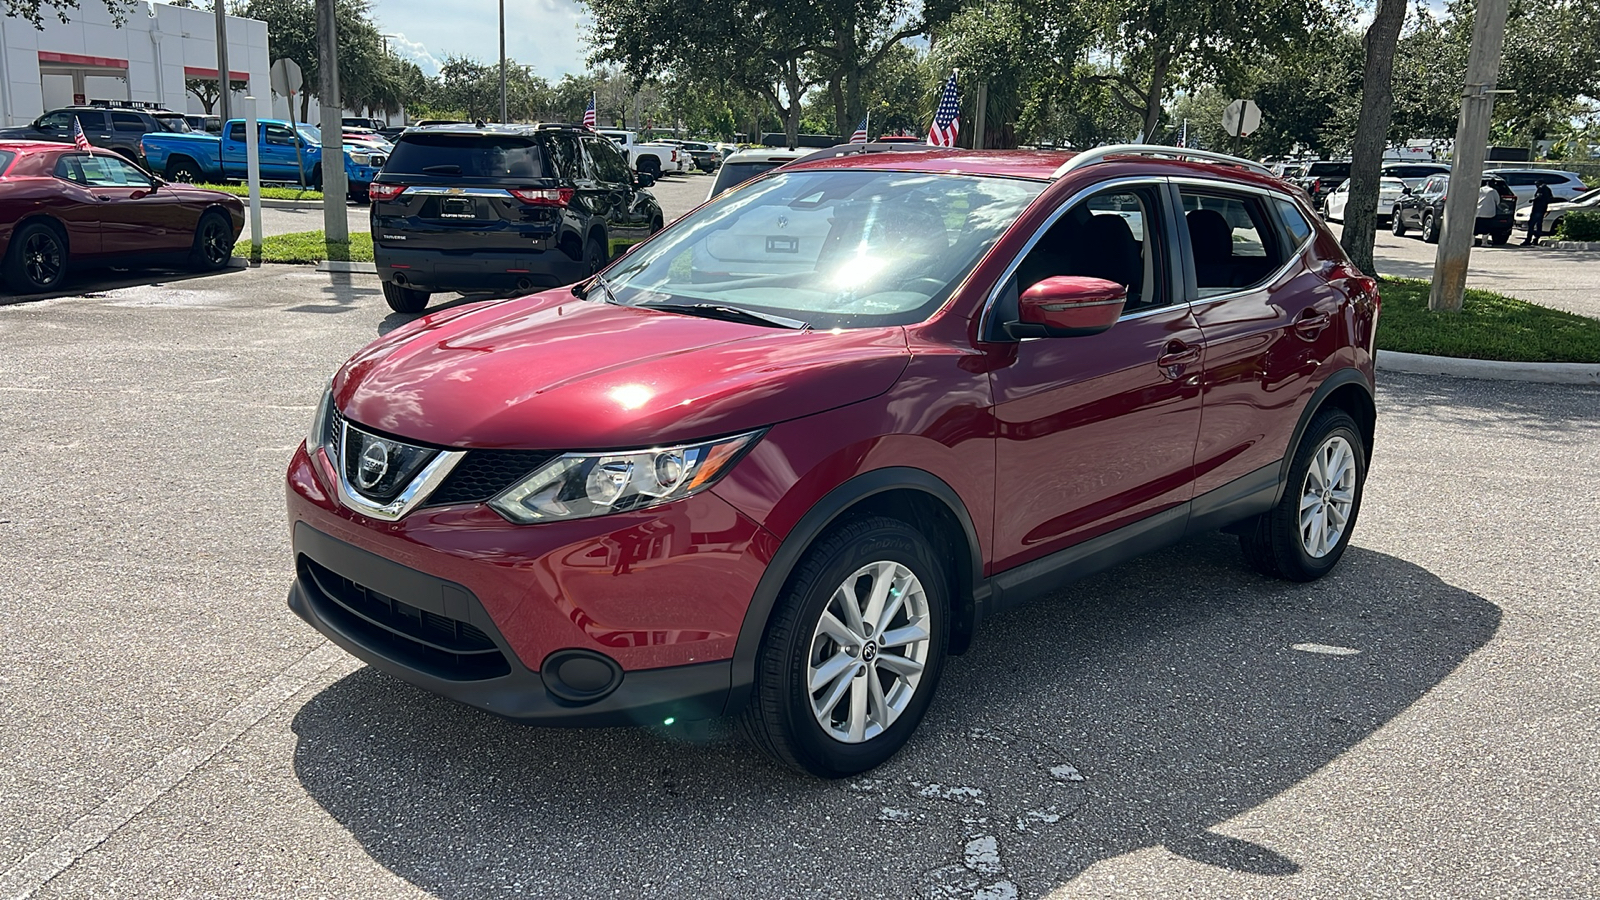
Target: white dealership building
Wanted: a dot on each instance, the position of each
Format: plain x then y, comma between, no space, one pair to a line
146,59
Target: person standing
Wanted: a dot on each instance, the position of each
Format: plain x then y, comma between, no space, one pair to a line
1488,202
1541,203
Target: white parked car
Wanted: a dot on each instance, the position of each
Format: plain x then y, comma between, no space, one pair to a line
1589,202
1389,191
1563,185
1413,173
743,165
653,158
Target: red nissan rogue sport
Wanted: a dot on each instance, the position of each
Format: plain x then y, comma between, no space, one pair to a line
781,459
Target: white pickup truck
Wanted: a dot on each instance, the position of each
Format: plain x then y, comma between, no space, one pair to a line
651,159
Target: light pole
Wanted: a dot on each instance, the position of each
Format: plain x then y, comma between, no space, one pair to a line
224,98
502,60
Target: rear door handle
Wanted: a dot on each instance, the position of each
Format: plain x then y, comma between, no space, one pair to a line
1311,324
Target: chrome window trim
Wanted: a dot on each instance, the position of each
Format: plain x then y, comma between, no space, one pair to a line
458,192
420,488
1288,263
1061,209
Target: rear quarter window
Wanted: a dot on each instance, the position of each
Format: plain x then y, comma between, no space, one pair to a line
6,156
467,155
1294,222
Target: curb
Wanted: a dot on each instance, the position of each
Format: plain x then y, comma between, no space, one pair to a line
1488,369
358,268
1576,245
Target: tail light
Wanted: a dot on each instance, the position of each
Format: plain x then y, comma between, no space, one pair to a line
380,191
674,156
543,196
1316,185
142,150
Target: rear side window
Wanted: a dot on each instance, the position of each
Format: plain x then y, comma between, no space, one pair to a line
1235,247
236,131
129,122
468,155
6,156
1294,222
1521,179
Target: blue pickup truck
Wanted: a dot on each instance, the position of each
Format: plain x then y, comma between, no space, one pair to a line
197,157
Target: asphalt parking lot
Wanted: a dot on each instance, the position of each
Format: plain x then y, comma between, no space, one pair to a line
1420,723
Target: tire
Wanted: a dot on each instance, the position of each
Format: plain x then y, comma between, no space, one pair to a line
1276,543
655,225
38,258
1430,228
785,718
651,166
213,243
404,299
315,183
594,255
183,169
1500,238
1397,225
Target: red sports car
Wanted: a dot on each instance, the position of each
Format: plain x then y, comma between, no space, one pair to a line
61,206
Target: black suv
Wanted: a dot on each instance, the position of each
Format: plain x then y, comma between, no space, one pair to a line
1321,177
111,127
502,208
1424,209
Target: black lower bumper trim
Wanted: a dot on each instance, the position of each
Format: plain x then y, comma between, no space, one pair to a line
641,697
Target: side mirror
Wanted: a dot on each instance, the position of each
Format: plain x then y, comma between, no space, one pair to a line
1070,306
643,179
1406,189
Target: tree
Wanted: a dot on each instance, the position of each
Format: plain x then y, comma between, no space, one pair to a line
854,36
1372,132
292,34
206,90
34,11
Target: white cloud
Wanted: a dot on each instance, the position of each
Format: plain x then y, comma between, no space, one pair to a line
548,34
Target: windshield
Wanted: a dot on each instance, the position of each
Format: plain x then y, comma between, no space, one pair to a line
311,134
832,248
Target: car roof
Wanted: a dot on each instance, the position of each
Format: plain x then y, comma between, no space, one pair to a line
1045,165
1571,176
772,154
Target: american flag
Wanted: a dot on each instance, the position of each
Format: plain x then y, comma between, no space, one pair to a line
860,136
79,139
588,114
946,121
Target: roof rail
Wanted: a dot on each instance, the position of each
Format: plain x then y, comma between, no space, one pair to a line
1101,154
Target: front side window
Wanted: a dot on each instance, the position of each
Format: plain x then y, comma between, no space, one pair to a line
832,248
57,120
1112,235
279,136
108,171
1233,243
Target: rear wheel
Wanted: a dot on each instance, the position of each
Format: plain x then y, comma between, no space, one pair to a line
594,255
404,299
851,659
213,243
37,260
183,169
1303,537
650,165
1430,228
1500,238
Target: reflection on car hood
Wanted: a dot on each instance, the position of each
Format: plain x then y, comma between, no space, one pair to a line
554,372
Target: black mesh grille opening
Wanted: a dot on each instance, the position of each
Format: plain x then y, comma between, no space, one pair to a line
442,646
485,473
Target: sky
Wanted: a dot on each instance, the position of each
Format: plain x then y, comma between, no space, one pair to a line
548,34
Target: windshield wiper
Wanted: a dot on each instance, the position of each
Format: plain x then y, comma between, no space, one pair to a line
729,313
598,282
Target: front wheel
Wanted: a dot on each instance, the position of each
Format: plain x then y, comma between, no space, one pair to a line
404,299
1397,225
851,659
1430,228
1303,537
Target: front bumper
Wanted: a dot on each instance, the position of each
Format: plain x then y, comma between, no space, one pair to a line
621,619
476,270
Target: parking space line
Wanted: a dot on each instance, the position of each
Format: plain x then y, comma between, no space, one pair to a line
75,841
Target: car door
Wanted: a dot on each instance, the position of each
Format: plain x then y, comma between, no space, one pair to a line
76,208
615,194
135,218
1096,432
277,152
1270,325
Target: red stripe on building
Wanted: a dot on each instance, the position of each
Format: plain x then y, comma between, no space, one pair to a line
75,59
197,72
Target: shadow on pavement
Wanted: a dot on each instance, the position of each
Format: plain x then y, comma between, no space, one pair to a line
93,281
1558,413
342,292
1137,709
396,319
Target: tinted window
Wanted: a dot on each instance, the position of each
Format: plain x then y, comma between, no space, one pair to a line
1111,235
562,150
1551,179
606,162
1410,171
122,121
6,157
1520,179
236,131
66,168
57,120
1334,169
172,123
1294,222
279,135
92,121
733,174
108,171
1233,243
469,155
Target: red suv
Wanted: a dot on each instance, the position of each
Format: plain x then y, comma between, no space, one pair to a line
783,458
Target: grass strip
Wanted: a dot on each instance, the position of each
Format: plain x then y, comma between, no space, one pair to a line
310,247
267,193
1489,326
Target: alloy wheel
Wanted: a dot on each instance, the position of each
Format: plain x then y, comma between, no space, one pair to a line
214,242
1327,497
41,257
868,652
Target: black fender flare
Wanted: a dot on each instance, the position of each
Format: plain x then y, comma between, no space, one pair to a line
1319,398
817,520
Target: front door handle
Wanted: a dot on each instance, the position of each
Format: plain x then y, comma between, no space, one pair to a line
1175,357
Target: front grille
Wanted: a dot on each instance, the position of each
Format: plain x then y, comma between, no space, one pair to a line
485,473
436,644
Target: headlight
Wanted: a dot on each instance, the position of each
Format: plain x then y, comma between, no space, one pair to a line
581,485
320,422
360,159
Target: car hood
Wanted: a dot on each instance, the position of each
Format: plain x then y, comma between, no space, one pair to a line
554,372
